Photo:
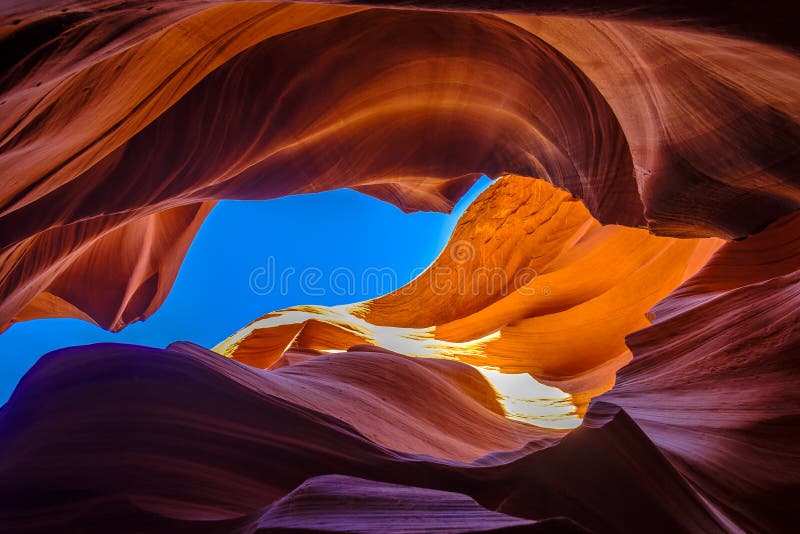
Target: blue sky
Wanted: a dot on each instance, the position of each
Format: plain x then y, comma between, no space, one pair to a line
213,295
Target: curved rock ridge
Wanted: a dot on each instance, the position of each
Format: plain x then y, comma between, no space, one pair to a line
714,379
159,439
118,112
147,254
529,282
370,389
335,503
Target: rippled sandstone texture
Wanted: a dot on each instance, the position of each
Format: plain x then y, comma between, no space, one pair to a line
123,115
122,123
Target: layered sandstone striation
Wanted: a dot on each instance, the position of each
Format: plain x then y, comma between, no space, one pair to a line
658,252
117,112
160,440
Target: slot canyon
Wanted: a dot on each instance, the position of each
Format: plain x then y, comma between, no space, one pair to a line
607,341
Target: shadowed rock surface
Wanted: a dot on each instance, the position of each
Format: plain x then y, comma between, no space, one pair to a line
90,430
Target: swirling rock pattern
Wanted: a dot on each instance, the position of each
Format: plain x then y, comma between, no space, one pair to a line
90,429
527,267
114,115
123,122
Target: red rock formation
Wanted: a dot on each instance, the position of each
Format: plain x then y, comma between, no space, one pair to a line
336,503
369,389
122,123
713,380
146,255
114,114
158,440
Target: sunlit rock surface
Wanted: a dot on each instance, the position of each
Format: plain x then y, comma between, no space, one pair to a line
122,123
529,282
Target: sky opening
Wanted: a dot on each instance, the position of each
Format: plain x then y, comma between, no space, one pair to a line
225,280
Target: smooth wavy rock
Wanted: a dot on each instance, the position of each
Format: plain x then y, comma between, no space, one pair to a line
146,255
529,282
115,112
157,439
374,391
714,380
334,503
